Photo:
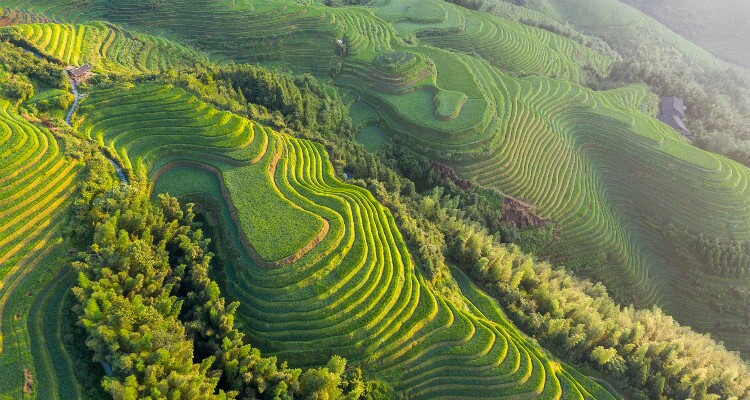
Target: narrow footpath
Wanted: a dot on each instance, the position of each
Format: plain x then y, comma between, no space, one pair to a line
78,97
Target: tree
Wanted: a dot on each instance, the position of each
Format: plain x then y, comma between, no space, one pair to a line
152,312
17,88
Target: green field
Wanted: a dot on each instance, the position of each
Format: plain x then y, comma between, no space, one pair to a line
319,266
372,137
354,292
37,184
104,46
603,17
719,26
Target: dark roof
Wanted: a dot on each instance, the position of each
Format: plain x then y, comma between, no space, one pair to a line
673,105
676,123
80,71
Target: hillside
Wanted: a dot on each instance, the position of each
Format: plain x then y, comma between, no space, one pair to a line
335,236
719,26
329,251
345,287
105,45
612,17
607,228
39,183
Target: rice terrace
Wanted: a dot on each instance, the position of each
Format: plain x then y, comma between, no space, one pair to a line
373,199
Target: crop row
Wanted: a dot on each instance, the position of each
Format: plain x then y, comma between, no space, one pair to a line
521,49
612,17
105,46
355,292
284,32
13,17
609,176
171,122
37,183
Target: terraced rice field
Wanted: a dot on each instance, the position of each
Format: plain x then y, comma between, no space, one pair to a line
218,135
610,177
37,183
436,94
612,17
607,174
512,46
105,46
354,292
302,36
719,26
10,17
282,32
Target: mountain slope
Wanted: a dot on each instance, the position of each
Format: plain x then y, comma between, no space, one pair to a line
612,17
354,292
610,176
38,187
719,26
504,104
106,46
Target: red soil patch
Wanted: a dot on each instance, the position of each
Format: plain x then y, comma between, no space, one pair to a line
447,173
515,212
521,215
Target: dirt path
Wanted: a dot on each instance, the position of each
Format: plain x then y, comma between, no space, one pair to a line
120,172
78,97
74,89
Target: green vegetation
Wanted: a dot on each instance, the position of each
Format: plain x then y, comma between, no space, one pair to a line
497,113
300,103
104,46
53,102
728,258
579,319
157,320
448,104
612,17
397,62
38,187
353,292
194,128
22,65
717,27
372,137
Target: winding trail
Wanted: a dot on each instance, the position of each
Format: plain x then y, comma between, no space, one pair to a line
78,97
35,54
74,89
120,172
